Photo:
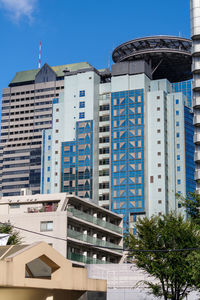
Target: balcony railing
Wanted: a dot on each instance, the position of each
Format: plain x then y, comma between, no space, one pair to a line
84,259
89,218
92,240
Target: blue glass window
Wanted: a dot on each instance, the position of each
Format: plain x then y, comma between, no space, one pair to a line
82,104
49,158
178,169
177,113
82,93
178,157
49,147
48,191
177,123
177,101
178,134
48,169
81,115
178,146
49,137
178,181
48,179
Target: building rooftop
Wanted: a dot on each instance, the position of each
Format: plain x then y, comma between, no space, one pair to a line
26,76
169,56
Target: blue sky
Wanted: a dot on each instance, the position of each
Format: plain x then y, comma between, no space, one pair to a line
75,31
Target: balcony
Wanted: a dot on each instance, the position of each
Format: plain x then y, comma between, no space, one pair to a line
89,218
196,138
196,120
43,208
197,175
197,157
196,101
196,66
84,259
196,84
92,240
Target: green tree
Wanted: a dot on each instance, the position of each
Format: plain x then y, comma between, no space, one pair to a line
192,205
14,238
174,271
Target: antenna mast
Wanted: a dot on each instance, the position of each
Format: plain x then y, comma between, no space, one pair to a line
39,63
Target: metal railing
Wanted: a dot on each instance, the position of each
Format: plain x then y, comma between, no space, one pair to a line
89,218
84,259
91,240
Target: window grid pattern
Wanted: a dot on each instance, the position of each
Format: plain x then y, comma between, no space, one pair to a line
77,162
127,153
189,150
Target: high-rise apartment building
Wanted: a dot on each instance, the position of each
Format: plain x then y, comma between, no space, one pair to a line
125,136
195,34
26,111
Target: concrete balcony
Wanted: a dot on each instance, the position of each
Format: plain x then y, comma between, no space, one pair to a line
196,120
196,85
196,138
196,66
197,175
196,49
197,157
196,101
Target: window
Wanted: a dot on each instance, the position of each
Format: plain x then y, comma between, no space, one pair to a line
57,109
158,120
177,112
49,158
159,153
177,101
82,104
158,108
159,190
178,181
56,184
178,135
56,152
82,93
151,179
48,169
177,123
178,169
159,176
48,179
56,174
159,165
159,201
57,120
49,147
178,146
158,131
46,226
49,137
57,130
56,141
56,162
158,142
81,115
178,157
158,97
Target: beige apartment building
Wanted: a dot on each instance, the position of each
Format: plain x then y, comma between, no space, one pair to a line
26,111
80,230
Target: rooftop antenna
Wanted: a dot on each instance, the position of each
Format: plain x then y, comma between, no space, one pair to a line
39,63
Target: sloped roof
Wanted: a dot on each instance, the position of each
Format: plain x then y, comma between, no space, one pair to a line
29,75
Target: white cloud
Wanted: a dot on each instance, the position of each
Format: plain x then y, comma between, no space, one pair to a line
19,8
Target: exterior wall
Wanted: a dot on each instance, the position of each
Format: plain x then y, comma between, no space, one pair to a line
68,223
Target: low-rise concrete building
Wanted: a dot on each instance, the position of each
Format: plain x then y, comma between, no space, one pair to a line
79,229
39,272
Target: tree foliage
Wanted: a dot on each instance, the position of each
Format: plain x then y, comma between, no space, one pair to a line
192,205
175,272
14,238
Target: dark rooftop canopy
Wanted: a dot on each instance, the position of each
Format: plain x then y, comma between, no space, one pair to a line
169,56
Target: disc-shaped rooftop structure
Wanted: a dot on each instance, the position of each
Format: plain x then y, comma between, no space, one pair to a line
169,56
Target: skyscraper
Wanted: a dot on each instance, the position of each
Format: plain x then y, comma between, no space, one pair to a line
26,111
125,136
